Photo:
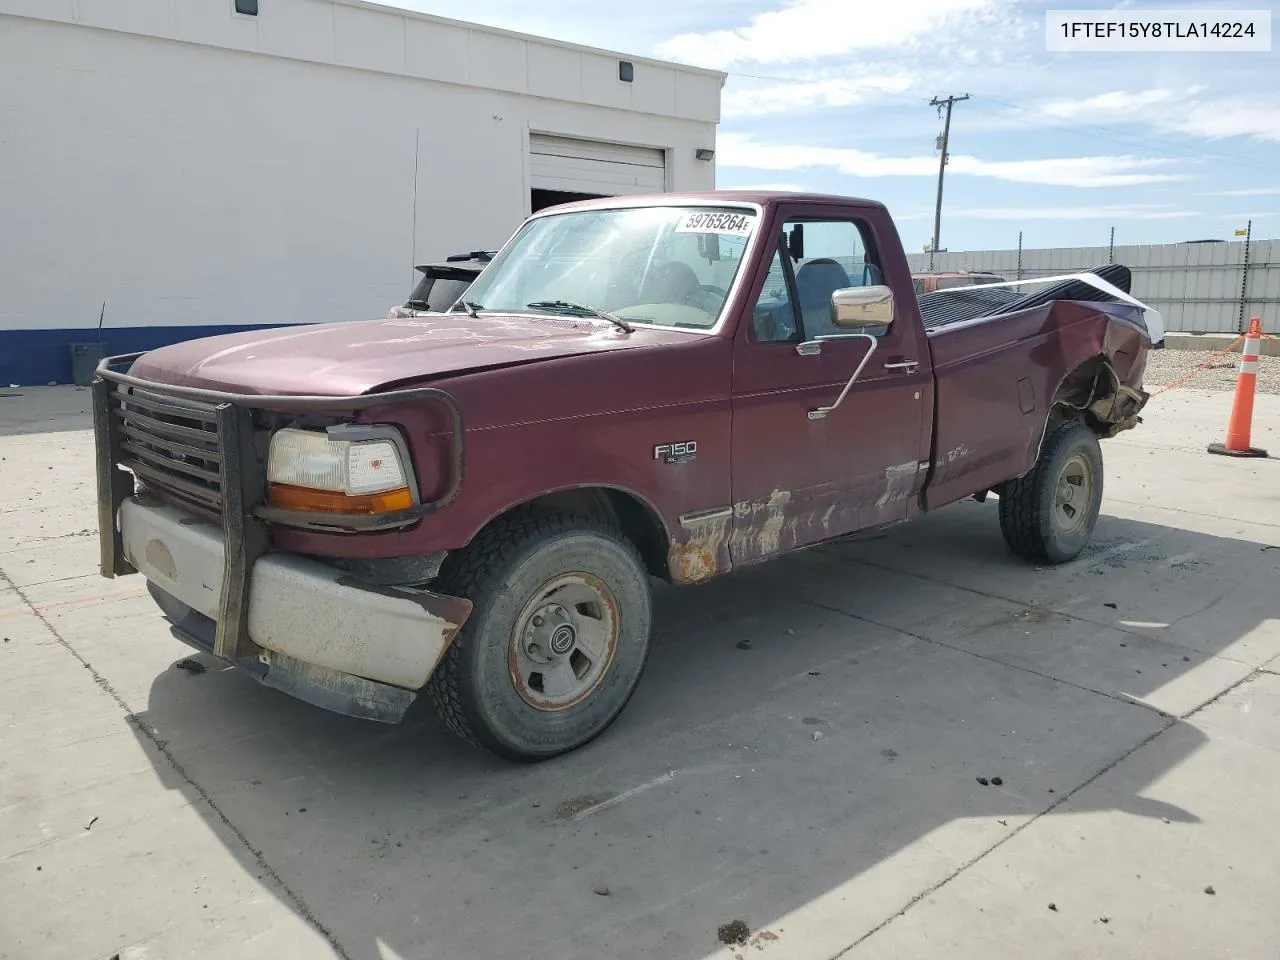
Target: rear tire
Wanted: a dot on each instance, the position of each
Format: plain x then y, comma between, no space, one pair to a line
558,638
1048,516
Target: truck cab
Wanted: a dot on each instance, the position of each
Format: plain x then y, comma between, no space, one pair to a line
471,505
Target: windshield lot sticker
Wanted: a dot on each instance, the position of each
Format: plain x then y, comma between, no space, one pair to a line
734,224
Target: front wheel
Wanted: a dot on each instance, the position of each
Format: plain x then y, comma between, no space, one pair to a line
1048,516
558,638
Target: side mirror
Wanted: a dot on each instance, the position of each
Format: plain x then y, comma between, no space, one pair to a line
862,308
795,242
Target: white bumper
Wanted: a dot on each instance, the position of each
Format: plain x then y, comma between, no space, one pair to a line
297,607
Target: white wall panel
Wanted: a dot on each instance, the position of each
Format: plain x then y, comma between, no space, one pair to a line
193,184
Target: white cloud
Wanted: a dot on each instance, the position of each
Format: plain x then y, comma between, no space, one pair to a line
763,187
1100,171
1246,192
1114,103
1138,211
812,29
1175,111
754,99
738,150
1247,117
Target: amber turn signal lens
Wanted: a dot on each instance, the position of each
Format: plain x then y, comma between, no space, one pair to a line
325,501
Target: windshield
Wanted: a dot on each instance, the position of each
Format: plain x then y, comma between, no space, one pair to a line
668,266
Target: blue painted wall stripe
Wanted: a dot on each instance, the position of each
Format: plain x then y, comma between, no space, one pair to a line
36,357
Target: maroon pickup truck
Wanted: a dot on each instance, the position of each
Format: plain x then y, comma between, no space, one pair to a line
472,503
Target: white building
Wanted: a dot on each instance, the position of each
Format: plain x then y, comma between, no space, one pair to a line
200,169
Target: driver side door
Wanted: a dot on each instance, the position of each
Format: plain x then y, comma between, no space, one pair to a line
798,480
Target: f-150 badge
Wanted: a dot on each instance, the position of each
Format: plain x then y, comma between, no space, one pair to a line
676,452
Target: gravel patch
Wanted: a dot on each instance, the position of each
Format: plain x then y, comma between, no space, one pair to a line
1166,366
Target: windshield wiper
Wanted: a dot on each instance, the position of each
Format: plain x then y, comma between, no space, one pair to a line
581,308
472,309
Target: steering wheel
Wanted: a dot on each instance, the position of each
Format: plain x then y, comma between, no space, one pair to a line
718,291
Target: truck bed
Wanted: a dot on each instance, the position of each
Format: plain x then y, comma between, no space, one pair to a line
943,308
1000,358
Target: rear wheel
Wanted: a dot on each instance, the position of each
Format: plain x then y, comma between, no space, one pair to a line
558,638
1048,516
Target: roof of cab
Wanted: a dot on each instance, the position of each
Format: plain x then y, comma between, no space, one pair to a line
763,198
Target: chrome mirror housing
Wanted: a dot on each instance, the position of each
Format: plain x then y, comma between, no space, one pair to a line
862,308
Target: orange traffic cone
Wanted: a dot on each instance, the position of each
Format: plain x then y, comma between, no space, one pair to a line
1237,444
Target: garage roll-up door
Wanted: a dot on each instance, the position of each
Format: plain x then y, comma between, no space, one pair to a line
588,166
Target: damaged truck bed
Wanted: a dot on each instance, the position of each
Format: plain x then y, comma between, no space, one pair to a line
470,504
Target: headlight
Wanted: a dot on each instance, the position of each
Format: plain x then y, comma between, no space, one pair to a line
310,470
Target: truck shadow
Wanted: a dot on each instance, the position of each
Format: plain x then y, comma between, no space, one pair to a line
801,728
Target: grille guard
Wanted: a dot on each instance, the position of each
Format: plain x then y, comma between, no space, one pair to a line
244,511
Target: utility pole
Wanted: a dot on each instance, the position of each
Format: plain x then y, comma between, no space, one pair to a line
949,102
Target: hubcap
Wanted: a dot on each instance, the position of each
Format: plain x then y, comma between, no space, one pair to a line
564,640
1073,494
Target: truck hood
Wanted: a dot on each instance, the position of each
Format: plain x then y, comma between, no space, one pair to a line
347,359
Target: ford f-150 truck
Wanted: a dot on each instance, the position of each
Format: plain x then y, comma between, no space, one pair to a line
472,504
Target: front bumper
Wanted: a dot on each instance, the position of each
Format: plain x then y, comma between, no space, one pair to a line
327,638
181,498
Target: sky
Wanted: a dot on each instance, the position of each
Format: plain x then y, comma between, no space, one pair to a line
833,96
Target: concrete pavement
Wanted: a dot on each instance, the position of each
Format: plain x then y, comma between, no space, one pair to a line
821,786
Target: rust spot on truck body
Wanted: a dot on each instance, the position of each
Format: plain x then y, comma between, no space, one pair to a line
703,554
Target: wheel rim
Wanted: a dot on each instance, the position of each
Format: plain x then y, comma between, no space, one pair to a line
564,640
1073,495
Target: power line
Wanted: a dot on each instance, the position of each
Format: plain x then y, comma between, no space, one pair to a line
944,141
1137,138
1083,129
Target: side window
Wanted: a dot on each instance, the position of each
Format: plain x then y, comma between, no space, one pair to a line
835,254
774,318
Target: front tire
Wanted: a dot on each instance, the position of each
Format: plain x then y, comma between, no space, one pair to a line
558,638
1048,516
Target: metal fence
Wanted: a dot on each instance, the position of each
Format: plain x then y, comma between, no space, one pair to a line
1197,287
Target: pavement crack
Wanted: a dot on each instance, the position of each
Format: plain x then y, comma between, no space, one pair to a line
1128,701
1170,721
1016,831
26,544
1248,678
1117,627
1194,513
162,746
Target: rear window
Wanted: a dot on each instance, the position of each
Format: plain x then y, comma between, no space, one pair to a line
438,293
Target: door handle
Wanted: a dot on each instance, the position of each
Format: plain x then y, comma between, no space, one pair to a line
908,365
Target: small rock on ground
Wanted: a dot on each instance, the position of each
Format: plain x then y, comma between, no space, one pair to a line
734,933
